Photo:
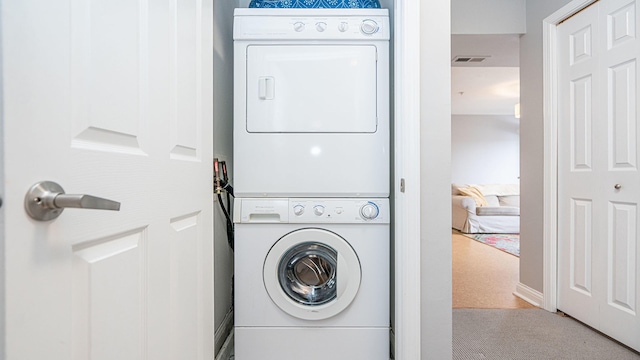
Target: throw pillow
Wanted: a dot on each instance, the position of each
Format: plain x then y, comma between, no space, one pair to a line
475,194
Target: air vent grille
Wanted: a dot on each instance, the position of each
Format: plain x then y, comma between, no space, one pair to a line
469,59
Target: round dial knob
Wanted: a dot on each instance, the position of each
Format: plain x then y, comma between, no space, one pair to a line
369,27
321,26
298,26
343,26
318,210
369,211
298,210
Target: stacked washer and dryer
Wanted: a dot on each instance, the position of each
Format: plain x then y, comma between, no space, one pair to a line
311,180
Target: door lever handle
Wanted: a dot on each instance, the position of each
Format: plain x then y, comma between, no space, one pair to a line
46,200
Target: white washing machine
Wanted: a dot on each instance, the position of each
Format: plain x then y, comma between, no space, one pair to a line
312,279
311,103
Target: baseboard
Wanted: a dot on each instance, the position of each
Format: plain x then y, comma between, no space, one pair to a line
224,331
227,348
532,296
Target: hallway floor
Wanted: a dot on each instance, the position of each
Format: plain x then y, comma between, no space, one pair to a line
484,277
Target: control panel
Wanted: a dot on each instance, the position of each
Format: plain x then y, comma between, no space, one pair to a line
338,211
299,25
316,210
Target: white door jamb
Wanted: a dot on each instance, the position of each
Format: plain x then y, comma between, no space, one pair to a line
407,167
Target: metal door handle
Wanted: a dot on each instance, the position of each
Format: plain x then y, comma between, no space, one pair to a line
617,186
46,200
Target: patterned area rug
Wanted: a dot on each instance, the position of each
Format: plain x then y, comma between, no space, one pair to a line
509,243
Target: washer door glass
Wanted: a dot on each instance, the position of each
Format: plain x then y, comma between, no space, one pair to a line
307,273
312,274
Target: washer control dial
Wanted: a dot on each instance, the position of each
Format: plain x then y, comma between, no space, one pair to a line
369,27
321,26
298,210
318,210
298,26
343,26
369,211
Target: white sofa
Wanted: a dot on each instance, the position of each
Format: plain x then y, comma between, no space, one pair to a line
499,215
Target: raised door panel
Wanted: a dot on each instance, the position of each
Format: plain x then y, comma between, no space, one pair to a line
109,282
109,84
581,246
622,258
622,115
580,124
186,80
186,313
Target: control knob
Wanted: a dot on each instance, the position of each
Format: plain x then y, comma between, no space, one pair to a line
298,26
369,27
321,26
298,210
318,210
369,211
343,26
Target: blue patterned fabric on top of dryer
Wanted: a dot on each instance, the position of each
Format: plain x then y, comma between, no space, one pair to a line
354,4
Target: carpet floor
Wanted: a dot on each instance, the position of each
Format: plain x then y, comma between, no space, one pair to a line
529,334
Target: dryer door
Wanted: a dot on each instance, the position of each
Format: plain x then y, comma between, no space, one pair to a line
312,89
312,274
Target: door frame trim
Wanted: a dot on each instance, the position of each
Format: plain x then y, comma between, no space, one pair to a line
406,70
550,122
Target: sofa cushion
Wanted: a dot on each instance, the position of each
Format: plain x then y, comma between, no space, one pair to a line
498,210
510,200
474,193
492,200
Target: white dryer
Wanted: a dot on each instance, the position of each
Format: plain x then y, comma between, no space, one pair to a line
311,103
312,279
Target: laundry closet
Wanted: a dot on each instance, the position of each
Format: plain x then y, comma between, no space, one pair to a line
311,100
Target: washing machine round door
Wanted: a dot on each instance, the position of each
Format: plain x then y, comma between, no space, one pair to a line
312,274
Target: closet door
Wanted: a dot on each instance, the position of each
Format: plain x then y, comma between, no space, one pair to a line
599,181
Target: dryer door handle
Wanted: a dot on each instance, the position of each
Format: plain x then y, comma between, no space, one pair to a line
266,87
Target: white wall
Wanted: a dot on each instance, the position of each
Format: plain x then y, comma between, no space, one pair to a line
485,149
435,180
223,147
531,142
488,17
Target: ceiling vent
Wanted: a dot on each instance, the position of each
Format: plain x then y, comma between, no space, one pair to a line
469,59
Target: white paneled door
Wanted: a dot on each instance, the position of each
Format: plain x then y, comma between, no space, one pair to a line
598,176
111,98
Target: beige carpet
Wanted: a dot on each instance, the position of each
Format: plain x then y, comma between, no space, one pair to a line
484,277
529,334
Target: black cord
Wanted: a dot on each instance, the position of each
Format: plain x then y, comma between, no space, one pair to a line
230,238
230,229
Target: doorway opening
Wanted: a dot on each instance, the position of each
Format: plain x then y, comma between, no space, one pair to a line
485,163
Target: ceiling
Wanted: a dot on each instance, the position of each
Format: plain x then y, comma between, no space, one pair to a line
490,86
